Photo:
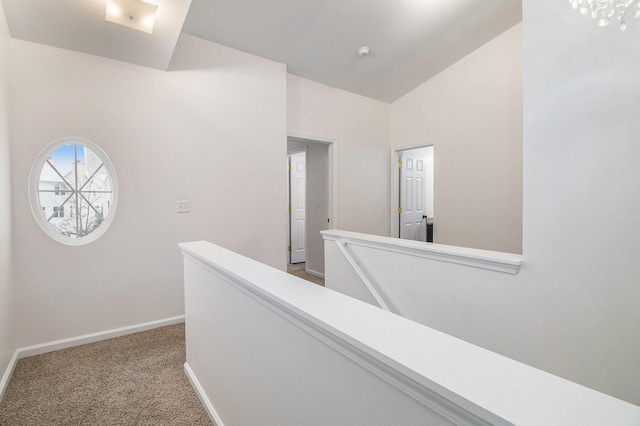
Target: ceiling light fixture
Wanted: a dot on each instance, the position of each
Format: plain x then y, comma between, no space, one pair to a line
603,10
137,14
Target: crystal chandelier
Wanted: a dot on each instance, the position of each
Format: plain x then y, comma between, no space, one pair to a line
603,10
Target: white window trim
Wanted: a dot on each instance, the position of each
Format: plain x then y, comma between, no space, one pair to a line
34,201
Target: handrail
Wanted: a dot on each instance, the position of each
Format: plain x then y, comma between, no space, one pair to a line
485,259
367,282
464,383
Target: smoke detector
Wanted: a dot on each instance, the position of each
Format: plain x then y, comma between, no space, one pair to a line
363,51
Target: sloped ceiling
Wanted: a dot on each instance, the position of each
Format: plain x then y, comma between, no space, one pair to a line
410,41
79,25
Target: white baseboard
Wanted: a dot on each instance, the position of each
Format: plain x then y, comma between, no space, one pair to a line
6,377
315,273
95,337
208,406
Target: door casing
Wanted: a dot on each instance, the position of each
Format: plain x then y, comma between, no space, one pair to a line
332,186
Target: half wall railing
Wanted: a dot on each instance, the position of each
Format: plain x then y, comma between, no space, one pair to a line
265,347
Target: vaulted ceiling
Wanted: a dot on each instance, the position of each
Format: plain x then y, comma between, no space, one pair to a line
410,41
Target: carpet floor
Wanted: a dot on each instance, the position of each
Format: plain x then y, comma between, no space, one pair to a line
131,380
298,269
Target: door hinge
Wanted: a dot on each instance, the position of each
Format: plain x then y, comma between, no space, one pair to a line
289,167
289,248
399,210
289,208
399,164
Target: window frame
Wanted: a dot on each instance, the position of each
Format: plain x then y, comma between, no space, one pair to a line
34,191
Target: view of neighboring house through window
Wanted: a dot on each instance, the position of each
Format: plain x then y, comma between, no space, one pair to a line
60,189
74,190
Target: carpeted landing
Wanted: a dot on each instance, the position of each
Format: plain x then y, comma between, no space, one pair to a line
299,270
131,380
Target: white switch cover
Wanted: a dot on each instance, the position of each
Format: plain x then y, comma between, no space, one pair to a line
182,206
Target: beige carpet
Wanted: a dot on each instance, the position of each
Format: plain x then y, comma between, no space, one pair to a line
132,380
298,269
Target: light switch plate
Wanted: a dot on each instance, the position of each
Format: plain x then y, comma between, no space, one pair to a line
182,206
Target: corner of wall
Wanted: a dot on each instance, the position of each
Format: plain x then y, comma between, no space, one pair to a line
7,310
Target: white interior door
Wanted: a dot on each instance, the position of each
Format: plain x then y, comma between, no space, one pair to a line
297,202
412,195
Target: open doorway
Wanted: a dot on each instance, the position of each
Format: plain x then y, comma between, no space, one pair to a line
312,194
414,193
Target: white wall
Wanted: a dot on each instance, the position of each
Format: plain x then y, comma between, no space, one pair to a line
212,130
573,308
582,193
300,354
7,327
286,373
317,193
361,128
472,112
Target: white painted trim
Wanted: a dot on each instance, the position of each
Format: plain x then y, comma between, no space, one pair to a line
309,138
8,373
464,383
485,259
333,171
95,337
297,151
314,273
449,405
208,406
373,291
34,199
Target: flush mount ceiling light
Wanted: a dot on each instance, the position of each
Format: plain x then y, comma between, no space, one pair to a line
603,10
137,14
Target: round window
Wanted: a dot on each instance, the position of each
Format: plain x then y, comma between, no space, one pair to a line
73,191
